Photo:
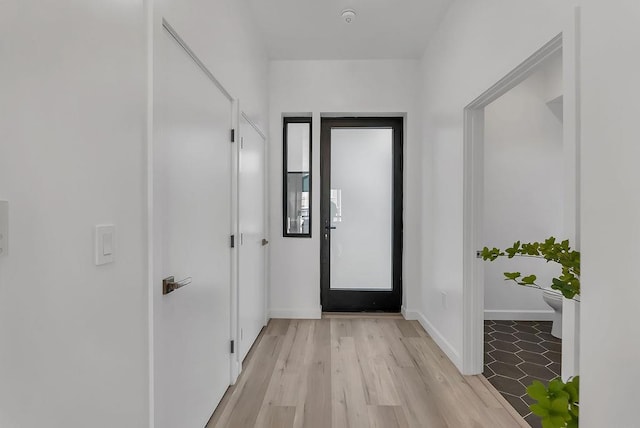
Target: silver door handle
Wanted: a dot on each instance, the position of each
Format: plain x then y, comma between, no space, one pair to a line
169,284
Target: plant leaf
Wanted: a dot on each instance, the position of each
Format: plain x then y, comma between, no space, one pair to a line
557,422
572,391
539,410
560,406
556,385
537,391
547,423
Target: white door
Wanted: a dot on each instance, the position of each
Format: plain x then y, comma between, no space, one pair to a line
251,275
192,222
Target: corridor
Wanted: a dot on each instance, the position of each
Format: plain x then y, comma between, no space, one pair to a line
356,371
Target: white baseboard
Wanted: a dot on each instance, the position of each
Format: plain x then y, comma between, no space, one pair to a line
403,311
308,313
435,334
504,315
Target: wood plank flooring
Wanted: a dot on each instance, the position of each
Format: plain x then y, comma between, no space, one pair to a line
351,371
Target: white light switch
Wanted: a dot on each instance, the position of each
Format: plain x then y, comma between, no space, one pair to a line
4,228
104,244
107,244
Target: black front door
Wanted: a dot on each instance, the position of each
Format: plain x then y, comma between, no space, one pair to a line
361,214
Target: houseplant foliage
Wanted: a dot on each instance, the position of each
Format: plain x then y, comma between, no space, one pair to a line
557,404
568,283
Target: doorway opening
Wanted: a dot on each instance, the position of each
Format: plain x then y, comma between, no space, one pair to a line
507,323
523,201
361,214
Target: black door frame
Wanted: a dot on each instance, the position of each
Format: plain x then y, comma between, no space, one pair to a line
357,300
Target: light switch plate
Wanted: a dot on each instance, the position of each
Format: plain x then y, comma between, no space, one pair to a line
4,228
105,239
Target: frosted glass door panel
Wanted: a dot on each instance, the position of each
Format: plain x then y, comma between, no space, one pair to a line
361,209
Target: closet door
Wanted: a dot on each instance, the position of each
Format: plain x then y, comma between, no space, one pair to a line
192,222
252,251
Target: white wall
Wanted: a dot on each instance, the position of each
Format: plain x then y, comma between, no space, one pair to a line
548,76
610,344
366,87
73,336
523,159
477,44
224,37
72,155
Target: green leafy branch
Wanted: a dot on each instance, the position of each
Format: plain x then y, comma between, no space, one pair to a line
558,404
568,283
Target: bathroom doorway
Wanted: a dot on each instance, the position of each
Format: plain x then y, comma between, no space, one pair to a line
519,185
523,158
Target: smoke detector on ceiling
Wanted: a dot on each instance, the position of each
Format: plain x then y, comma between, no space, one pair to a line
349,15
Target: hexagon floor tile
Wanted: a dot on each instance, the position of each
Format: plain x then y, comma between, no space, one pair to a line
516,354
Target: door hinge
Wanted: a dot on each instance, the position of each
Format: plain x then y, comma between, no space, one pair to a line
242,142
233,241
233,135
233,346
478,254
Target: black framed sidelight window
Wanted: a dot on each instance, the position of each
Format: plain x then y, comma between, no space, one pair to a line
296,177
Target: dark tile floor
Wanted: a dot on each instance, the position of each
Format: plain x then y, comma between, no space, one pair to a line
515,354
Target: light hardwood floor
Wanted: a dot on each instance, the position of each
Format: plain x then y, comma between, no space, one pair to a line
348,371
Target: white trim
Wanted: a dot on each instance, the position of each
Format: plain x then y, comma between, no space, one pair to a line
570,338
253,125
435,334
150,31
309,313
533,315
571,146
473,270
517,75
234,329
195,58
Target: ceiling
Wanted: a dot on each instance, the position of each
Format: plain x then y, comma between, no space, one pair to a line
314,29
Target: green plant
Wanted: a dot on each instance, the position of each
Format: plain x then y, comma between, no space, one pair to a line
558,404
568,283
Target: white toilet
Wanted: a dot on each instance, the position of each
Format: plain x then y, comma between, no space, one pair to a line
554,298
